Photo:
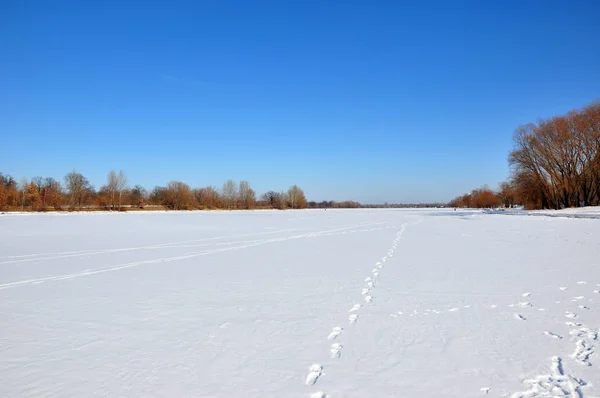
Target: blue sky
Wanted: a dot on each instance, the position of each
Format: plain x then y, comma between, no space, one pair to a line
372,101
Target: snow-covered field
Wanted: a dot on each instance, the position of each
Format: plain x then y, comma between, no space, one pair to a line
349,303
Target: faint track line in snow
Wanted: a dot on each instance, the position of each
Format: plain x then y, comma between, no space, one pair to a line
51,256
124,266
80,253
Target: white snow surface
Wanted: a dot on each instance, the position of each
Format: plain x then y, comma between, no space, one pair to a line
257,304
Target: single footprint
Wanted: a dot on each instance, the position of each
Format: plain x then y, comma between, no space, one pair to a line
375,270
520,317
319,394
365,291
485,390
368,299
453,309
526,294
563,288
336,350
596,291
353,318
582,282
570,314
314,372
355,307
493,306
335,332
573,324
583,307
553,335
375,273
368,279
578,298
524,304
557,366
371,284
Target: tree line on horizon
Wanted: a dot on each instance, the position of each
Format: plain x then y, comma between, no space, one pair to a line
554,164
76,193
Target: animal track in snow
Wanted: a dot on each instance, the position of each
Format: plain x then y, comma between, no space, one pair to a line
582,282
553,335
355,307
353,318
556,384
368,279
582,353
520,317
335,332
375,270
591,334
319,394
557,366
314,372
570,314
369,299
365,291
563,288
578,298
493,306
526,294
371,284
485,390
336,350
524,304
375,273
583,307
453,309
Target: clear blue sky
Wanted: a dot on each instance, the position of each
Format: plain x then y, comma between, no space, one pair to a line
367,100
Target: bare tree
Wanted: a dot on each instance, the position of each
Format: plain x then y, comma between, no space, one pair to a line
23,185
274,199
121,185
208,197
78,187
247,195
230,194
111,187
178,196
138,196
296,198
